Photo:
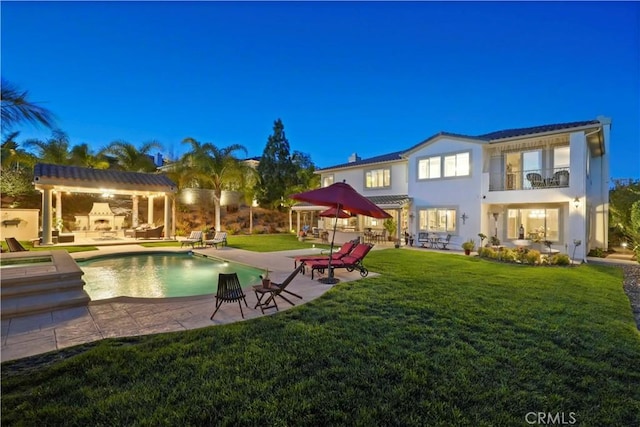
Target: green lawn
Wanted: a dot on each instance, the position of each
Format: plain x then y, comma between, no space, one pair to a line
437,339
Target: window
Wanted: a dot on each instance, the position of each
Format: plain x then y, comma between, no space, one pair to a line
429,168
378,178
438,219
532,161
539,223
327,180
447,166
456,165
561,157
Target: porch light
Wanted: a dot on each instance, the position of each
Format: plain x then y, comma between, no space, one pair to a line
576,202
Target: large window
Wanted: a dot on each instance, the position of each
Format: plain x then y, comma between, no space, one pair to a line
429,168
456,165
538,223
438,220
378,178
327,180
450,165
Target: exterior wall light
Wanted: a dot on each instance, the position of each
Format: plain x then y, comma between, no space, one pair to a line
576,202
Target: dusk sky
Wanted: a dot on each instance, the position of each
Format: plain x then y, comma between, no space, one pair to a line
344,77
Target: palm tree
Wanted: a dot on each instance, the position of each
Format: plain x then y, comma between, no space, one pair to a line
13,156
133,159
16,108
214,168
54,150
81,155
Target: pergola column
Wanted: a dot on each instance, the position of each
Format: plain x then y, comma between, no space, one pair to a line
150,210
47,207
134,212
167,217
59,210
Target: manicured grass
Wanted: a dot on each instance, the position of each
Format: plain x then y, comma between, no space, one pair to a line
30,247
271,242
436,339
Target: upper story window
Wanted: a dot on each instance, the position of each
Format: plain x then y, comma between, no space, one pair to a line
561,157
377,178
456,164
429,168
327,180
446,166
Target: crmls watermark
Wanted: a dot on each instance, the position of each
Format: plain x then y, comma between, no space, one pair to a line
551,418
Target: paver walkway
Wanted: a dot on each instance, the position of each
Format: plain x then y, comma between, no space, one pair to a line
123,316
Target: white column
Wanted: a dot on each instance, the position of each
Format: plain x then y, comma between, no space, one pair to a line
298,222
134,211
173,215
150,210
46,215
167,217
59,209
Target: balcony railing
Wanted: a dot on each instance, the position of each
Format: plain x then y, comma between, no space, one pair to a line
537,179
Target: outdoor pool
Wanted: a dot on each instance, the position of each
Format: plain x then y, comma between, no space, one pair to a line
159,275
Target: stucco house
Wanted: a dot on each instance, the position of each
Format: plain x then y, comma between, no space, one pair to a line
547,182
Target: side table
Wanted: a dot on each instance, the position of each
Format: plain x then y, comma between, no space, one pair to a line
270,302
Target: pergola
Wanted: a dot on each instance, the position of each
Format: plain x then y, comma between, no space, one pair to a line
56,179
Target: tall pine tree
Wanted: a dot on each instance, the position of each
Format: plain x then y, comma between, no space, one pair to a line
276,168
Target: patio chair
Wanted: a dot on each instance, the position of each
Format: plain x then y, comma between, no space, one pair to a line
14,245
219,238
535,179
561,178
229,290
343,251
349,262
276,290
194,238
444,241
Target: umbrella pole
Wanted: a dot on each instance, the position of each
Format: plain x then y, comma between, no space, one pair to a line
330,280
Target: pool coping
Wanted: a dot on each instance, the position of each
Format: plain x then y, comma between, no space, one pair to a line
128,316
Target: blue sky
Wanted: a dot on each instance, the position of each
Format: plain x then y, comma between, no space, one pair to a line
344,77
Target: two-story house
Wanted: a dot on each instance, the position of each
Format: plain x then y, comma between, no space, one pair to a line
548,183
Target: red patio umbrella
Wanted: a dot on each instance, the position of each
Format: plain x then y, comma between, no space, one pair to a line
340,196
335,213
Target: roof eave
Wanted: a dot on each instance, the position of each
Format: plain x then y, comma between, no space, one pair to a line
547,133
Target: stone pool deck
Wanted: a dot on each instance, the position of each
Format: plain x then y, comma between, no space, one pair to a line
123,317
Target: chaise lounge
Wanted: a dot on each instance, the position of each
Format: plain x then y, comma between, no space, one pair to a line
351,262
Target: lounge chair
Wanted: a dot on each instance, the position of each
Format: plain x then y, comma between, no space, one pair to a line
276,290
220,238
350,262
195,238
14,245
343,251
229,290
150,233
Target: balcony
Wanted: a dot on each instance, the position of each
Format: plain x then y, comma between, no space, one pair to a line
538,179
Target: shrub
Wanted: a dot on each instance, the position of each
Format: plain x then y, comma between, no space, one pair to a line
532,257
560,259
485,252
597,252
509,255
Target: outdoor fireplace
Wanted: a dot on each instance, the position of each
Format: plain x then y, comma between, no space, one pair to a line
101,225
100,218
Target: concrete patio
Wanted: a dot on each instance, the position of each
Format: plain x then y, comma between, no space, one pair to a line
123,316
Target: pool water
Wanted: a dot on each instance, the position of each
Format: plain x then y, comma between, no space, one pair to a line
159,275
